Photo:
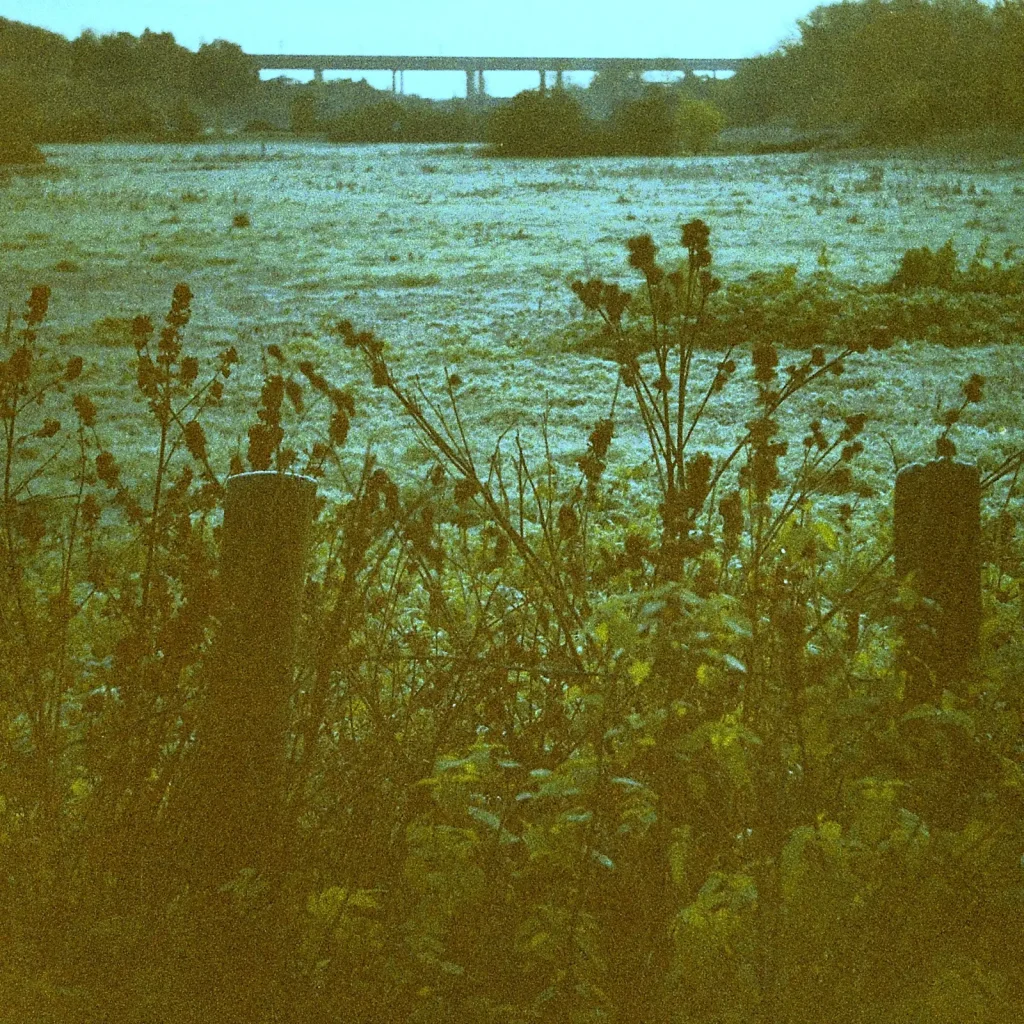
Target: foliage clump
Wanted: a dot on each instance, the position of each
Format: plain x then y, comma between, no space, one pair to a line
644,120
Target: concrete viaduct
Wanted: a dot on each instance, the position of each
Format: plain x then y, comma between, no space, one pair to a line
474,67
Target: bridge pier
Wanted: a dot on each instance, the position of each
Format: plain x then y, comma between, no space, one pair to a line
481,86
543,81
558,79
318,76
470,83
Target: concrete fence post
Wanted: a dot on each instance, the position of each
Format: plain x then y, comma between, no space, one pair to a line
243,725
937,524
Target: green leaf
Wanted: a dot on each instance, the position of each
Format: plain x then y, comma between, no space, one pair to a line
489,818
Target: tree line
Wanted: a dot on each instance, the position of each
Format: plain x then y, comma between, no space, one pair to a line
889,71
94,87
881,71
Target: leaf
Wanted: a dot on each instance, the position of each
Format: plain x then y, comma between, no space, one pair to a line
489,818
630,783
639,671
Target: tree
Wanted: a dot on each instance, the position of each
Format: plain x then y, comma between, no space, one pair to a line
646,126
539,124
610,88
222,74
698,123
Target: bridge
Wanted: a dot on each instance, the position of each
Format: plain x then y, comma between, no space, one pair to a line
474,67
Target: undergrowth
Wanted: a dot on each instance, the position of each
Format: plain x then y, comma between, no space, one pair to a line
929,297
540,768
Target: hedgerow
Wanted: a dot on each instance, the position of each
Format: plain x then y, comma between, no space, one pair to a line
541,767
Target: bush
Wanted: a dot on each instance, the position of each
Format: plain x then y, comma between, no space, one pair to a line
647,126
186,124
540,124
17,148
698,124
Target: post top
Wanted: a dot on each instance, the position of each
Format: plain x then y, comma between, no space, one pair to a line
933,466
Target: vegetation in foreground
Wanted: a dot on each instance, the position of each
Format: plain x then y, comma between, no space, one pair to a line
540,767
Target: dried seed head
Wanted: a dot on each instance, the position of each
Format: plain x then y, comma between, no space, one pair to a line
195,440
601,437
19,366
698,481
293,389
107,469
338,427
642,252
38,303
731,510
615,301
86,410
141,331
227,359
589,293
973,387
189,370
695,235
180,312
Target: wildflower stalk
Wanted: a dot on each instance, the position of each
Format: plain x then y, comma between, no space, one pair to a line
457,452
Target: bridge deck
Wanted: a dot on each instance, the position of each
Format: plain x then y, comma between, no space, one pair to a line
328,62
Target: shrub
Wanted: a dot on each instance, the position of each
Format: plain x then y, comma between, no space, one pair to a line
539,124
17,148
922,268
646,126
258,126
186,124
698,123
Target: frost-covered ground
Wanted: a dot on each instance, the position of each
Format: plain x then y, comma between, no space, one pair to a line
465,260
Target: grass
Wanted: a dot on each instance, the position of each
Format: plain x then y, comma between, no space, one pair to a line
407,252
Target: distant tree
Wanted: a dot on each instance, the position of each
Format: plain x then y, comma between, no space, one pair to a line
19,107
185,122
698,124
536,124
611,88
303,118
1008,62
645,126
222,74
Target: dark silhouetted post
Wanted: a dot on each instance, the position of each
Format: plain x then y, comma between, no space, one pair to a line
938,540
243,726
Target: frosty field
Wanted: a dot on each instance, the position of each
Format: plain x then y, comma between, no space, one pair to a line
465,261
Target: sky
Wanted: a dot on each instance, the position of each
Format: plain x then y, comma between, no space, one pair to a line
577,28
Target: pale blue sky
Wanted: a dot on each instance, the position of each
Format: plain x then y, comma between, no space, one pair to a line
586,28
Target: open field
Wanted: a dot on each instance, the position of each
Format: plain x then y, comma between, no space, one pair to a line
466,261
